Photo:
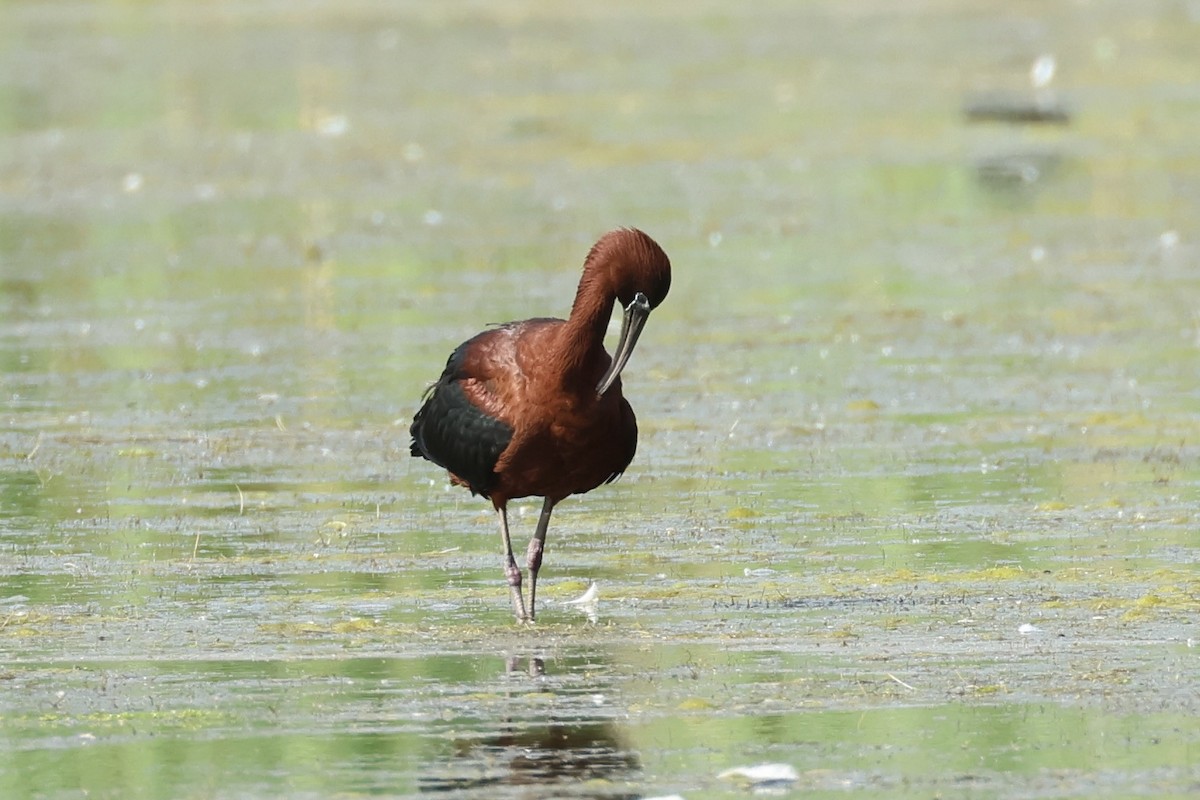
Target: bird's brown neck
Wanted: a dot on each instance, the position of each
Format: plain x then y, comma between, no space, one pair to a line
582,355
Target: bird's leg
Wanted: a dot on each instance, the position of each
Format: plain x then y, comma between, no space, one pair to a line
510,568
533,556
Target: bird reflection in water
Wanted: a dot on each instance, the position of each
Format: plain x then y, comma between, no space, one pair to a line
555,758
536,669
561,756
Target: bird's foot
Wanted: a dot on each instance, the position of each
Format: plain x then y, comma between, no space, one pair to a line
513,573
519,606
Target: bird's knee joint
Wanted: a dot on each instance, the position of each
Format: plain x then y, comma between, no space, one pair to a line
533,556
513,573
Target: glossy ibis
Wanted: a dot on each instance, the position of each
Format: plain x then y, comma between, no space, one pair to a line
534,408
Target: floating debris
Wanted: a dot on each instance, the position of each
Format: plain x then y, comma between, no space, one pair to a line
588,602
1040,108
590,596
1016,169
331,126
763,776
1042,71
1028,628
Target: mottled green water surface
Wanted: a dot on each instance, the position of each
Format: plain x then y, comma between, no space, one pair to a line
914,510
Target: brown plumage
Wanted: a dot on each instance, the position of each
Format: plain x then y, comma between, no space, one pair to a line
534,408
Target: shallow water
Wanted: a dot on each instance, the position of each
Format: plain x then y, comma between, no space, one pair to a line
914,504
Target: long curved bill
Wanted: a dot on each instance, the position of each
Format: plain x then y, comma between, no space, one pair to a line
635,318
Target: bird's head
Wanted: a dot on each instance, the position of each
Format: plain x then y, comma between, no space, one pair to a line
638,273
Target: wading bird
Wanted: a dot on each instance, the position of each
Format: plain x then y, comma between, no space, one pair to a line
534,408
